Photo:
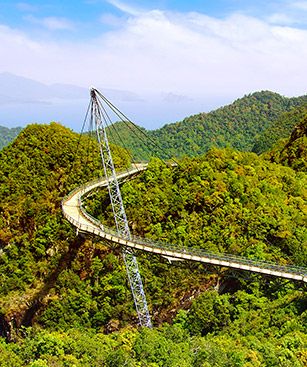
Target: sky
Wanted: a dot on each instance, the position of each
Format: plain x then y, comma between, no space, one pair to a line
173,58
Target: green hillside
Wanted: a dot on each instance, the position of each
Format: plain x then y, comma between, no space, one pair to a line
237,125
65,299
224,202
7,135
42,165
281,128
292,152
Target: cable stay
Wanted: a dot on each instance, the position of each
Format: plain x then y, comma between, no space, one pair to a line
100,119
150,145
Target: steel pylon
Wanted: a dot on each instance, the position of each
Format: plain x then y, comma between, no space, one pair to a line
99,118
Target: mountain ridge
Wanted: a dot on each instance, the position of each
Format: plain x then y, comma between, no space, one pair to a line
235,125
21,89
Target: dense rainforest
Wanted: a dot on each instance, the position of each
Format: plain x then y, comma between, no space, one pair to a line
65,299
292,152
252,123
279,129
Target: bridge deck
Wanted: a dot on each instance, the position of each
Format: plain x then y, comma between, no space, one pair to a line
75,213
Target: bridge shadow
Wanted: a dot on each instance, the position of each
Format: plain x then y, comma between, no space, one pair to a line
65,262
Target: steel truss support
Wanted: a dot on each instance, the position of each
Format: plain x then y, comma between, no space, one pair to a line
99,118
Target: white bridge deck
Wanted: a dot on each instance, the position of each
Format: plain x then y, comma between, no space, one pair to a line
75,214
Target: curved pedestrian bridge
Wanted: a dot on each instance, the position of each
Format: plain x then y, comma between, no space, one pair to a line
84,222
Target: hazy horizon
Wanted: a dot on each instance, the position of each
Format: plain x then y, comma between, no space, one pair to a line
164,61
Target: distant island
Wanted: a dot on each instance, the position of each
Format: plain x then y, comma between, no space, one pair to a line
8,134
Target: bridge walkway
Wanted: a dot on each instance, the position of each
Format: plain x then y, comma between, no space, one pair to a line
83,221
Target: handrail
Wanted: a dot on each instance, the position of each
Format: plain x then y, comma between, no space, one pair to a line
93,225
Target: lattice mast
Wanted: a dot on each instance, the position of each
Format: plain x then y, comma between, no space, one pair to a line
99,118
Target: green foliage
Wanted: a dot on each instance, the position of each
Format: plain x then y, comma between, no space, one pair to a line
166,348
265,330
8,358
133,138
293,151
49,276
41,166
225,201
281,128
90,300
211,312
239,125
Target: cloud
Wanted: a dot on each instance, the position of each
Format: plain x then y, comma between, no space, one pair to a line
290,13
282,19
52,23
125,8
188,52
153,52
301,5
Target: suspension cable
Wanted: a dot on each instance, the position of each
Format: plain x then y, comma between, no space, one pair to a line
126,120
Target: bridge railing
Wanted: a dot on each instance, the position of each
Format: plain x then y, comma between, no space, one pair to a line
101,230
87,186
203,253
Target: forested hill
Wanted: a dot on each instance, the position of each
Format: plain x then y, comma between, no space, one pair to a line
281,128
42,165
292,152
65,299
237,125
7,135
